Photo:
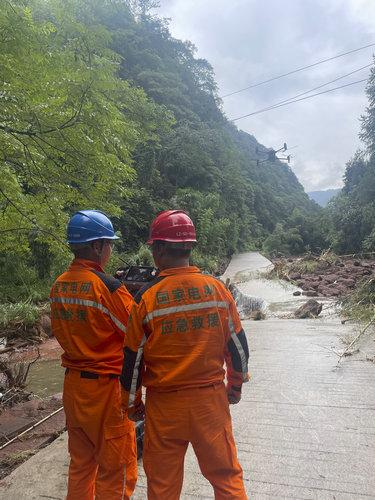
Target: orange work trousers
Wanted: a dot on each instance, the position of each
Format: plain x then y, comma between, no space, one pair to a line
102,443
199,416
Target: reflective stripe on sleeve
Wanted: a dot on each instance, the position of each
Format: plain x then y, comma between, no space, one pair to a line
133,387
240,350
186,307
89,303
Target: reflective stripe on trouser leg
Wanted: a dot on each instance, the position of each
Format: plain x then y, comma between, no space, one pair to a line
124,484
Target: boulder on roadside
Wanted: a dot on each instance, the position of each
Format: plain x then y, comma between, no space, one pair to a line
297,293
366,264
311,309
366,271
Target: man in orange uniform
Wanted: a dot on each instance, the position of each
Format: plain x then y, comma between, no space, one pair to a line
183,329
89,311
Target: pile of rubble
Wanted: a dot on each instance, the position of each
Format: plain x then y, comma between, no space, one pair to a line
319,276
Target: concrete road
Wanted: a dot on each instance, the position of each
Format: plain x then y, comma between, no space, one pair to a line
304,429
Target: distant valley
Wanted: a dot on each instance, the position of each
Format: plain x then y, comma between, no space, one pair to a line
323,197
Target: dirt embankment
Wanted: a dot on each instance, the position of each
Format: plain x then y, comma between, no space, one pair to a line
23,342
326,275
20,410
22,416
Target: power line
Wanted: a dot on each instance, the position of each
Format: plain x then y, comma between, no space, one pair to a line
323,85
297,70
297,100
316,88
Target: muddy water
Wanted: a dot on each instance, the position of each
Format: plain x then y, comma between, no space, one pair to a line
274,297
257,293
46,378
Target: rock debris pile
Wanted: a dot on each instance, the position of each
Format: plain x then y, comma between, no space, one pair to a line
327,277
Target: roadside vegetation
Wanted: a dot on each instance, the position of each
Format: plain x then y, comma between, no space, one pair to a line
20,313
360,304
20,324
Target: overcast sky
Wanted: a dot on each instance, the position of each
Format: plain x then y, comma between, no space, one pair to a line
247,41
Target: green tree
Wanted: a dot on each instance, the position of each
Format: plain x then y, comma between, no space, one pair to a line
68,126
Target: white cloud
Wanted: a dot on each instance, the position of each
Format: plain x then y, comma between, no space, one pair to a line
247,41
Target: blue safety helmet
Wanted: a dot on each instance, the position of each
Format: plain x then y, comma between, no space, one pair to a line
90,225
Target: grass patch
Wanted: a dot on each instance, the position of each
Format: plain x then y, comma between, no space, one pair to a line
19,323
20,313
14,459
360,304
305,266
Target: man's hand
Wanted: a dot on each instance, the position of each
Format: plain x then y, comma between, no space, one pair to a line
137,413
233,395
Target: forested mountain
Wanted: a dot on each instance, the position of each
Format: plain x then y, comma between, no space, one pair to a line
324,196
100,107
351,215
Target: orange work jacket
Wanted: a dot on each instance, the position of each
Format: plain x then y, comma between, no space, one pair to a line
183,329
89,314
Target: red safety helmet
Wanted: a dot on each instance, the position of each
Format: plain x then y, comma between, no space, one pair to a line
174,226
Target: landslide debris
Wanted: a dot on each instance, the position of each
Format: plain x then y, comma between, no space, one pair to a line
327,275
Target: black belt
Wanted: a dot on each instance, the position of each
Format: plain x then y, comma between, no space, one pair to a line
92,375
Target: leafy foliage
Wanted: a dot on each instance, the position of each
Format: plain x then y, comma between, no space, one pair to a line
300,233
360,304
24,313
68,127
351,215
100,107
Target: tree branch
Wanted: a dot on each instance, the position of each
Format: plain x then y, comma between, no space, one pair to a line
56,238
14,229
69,123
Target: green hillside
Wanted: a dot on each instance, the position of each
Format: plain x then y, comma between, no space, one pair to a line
100,107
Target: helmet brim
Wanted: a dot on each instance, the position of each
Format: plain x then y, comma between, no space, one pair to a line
87,240
170,240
